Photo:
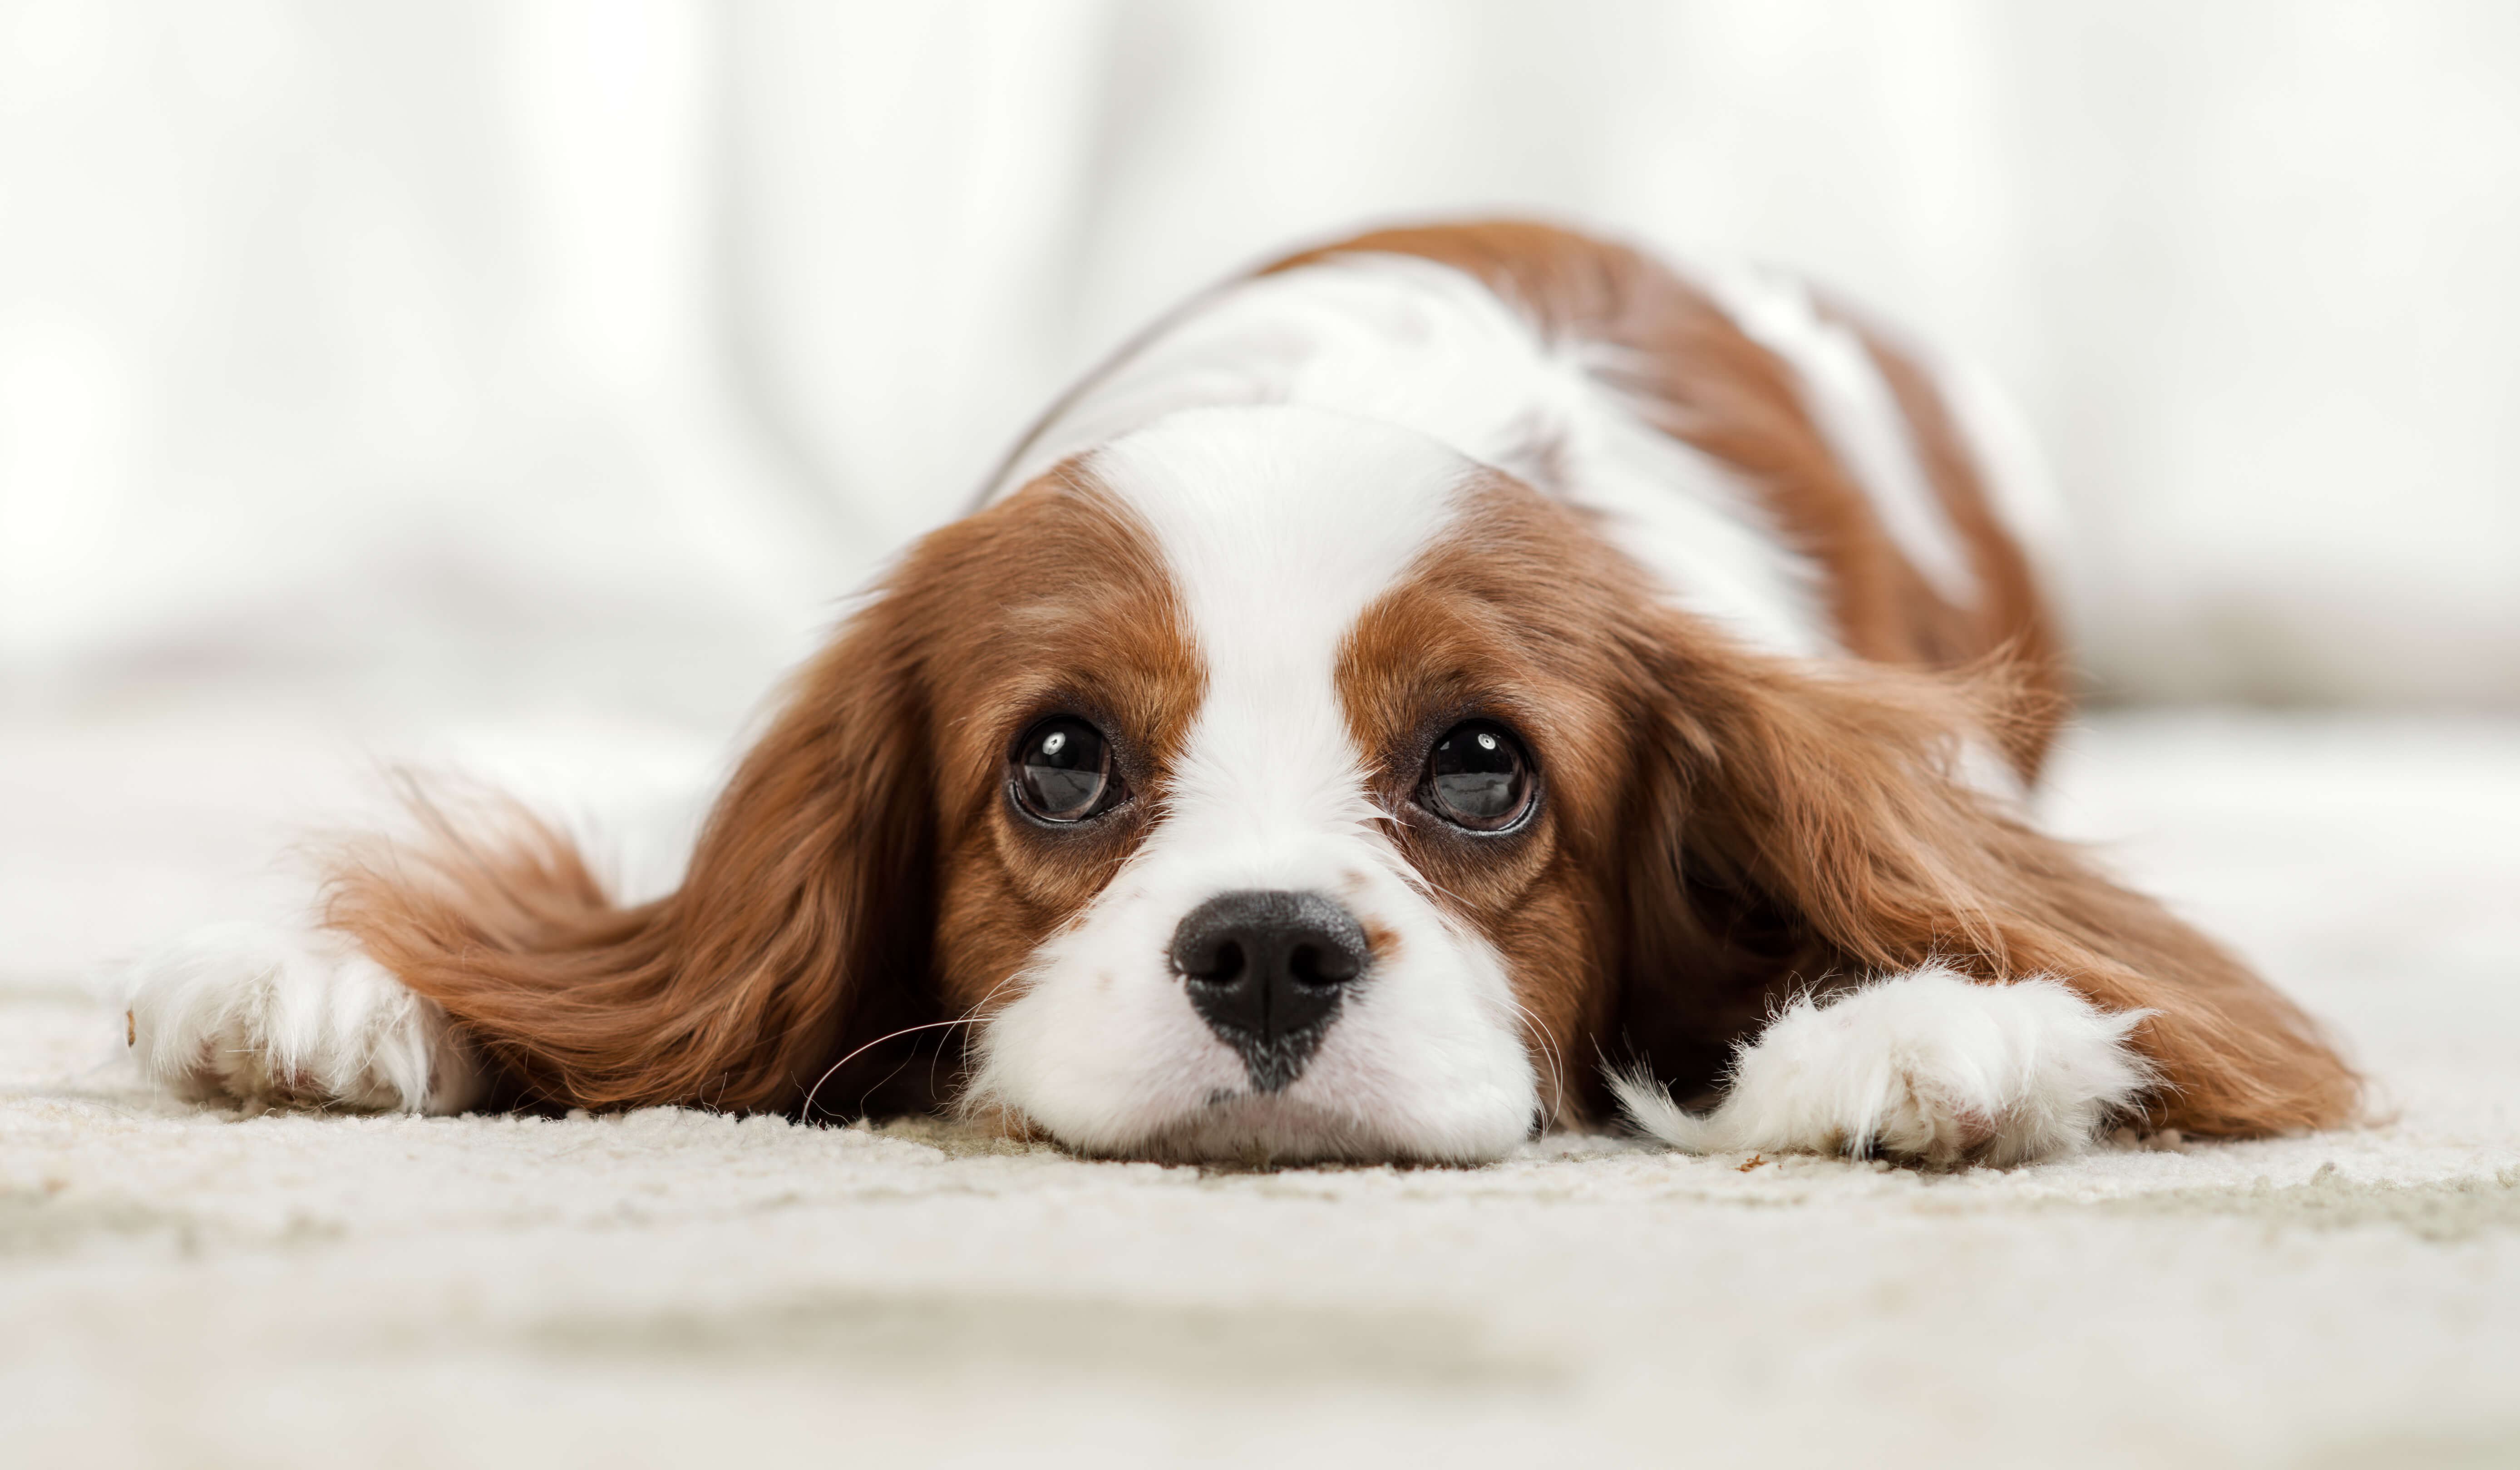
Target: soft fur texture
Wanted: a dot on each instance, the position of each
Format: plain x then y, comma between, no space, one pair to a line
1723,558
1928,1065
279,1015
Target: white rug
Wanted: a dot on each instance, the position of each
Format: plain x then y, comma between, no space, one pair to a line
197,1288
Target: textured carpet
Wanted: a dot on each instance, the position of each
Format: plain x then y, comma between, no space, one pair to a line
201,1288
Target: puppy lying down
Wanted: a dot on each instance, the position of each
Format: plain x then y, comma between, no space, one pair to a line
1463,680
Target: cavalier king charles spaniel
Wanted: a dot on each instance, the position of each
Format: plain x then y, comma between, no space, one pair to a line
1454,683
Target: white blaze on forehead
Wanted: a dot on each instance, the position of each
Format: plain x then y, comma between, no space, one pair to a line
1281,525
1409,342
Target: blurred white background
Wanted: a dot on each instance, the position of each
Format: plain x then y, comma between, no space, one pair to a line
507,353
517,384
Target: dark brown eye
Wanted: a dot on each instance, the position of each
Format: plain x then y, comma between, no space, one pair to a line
1063,771
1477,776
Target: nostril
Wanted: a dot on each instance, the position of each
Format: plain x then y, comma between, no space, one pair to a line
1314,965
1216,958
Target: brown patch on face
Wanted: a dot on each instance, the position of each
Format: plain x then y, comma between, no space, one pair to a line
1690,372
1054,601
1513,619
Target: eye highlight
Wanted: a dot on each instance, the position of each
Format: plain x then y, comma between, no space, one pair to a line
1062,772
1478,778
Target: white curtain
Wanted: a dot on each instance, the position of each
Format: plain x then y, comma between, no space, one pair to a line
471,350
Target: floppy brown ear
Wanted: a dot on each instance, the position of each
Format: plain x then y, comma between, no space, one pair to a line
1809,826
802,929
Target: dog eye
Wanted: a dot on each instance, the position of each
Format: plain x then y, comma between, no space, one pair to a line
1477,776
1063,771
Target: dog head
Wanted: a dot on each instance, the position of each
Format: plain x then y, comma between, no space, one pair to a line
1270,783
1271,854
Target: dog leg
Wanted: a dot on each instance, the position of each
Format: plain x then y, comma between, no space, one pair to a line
260,1014
1927,1067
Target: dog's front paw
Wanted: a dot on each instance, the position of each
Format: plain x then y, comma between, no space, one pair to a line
276,1017
1927,1067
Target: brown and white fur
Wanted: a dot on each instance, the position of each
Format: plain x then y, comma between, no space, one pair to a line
1737,567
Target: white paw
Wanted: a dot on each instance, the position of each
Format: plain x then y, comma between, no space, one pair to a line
283,1017
1928,1067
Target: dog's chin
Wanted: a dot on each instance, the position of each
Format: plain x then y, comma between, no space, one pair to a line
1268,1130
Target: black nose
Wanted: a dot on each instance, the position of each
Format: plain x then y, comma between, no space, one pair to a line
1267,971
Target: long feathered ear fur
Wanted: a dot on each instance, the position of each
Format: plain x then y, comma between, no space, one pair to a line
800,931
1807,827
